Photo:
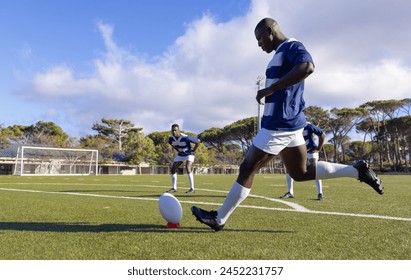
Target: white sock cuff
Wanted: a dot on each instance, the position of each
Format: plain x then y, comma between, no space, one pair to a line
242,191
235,196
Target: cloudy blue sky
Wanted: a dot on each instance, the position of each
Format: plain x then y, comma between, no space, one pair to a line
194,62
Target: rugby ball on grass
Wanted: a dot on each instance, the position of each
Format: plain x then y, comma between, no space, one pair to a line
170,208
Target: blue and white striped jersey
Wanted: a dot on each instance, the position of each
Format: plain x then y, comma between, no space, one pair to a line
309,133
183,144
283,109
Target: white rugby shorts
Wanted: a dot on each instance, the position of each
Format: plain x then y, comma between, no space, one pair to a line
273,141
184,158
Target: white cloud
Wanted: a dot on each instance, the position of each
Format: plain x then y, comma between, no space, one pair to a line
207,77
351,85
59,81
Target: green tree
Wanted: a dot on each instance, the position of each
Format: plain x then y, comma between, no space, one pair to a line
328,150
115,130
164,153
406,107
356,148
380,111
214,138
48,133
10,135
318,116
399,130
341,123
241,133
203,157
98,142
40,133
139,148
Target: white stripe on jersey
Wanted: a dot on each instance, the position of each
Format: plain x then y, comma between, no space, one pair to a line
277,61
180,145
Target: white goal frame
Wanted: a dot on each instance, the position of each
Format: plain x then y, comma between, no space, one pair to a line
46,161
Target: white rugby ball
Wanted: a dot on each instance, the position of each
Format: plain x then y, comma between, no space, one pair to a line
170,208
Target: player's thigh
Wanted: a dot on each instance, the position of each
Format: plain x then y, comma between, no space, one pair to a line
295,161
255,159
175,166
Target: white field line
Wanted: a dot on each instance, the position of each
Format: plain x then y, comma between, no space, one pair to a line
295,207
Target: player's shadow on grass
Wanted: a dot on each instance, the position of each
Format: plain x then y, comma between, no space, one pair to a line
66,227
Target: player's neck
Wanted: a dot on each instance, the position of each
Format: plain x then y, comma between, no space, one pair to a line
281,38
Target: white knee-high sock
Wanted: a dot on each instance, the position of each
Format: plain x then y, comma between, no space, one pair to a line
327,170
319,185
290,183
174,181
235,196
191,180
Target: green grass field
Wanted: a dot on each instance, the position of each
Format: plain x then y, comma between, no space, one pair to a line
117,218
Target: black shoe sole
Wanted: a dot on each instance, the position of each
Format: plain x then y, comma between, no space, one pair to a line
198,217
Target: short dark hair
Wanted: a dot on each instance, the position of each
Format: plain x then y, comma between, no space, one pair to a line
266,22
175,125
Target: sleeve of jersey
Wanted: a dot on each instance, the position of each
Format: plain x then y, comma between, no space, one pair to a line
299,54
192,139
317,131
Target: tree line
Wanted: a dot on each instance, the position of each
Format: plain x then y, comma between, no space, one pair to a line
384,127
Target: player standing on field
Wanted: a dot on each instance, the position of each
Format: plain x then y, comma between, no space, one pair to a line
182,144
282,125
313,150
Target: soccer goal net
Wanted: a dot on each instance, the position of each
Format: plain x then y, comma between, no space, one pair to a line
55,161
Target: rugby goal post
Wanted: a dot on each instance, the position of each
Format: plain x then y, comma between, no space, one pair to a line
45,161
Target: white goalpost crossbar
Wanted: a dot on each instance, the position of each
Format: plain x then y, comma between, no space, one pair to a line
46,161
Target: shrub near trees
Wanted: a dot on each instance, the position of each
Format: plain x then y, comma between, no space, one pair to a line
384,127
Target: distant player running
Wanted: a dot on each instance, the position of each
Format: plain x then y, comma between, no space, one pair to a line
182,144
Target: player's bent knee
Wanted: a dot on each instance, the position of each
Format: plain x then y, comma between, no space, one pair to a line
298,177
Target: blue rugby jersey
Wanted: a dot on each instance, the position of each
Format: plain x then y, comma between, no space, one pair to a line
308,133
283,109
182,144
